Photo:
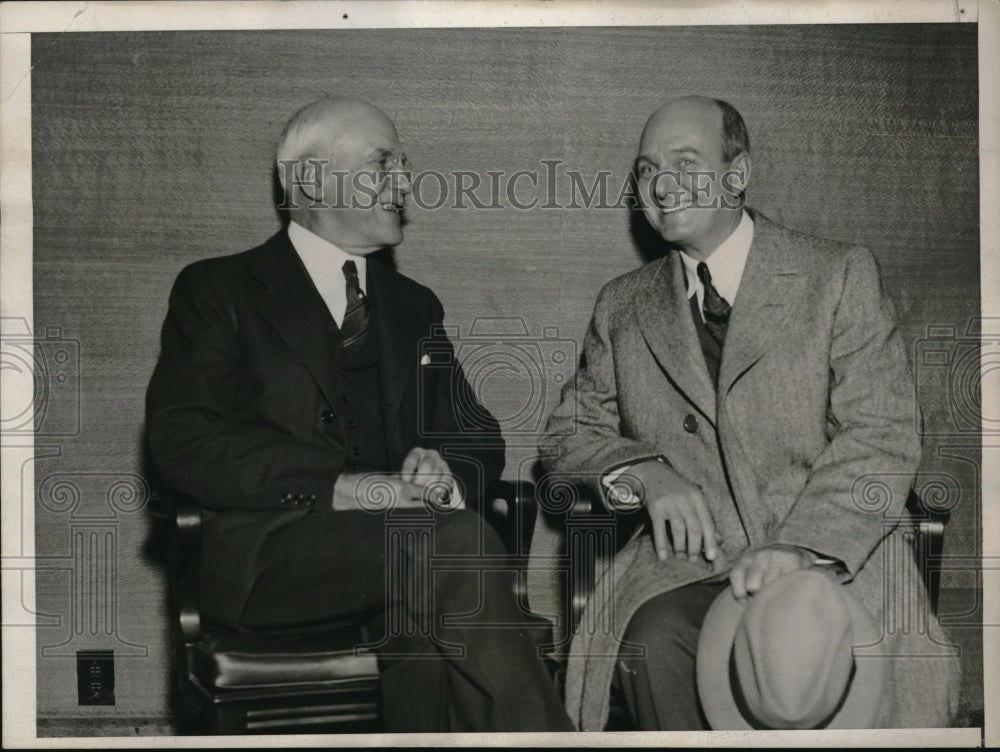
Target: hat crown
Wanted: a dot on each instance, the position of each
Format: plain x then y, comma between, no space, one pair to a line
793,651
850,687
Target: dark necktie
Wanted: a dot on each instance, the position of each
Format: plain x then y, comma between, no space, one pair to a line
356,314
714,306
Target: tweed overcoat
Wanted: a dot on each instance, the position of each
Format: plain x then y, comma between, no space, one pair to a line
810,439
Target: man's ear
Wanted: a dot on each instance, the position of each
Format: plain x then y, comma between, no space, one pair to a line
739,172
734,182
309,179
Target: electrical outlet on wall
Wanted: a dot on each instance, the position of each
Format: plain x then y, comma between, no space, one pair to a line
95,677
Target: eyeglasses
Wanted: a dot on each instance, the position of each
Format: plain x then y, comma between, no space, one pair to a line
387,161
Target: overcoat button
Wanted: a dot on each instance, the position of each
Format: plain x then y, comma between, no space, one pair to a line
690,423
326,416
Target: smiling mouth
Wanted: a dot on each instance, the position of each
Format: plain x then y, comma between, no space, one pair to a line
391,207
673,209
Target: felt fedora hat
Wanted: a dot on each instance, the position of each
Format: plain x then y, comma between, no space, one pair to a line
785,659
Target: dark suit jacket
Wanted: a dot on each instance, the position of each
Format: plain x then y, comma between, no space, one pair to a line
235,408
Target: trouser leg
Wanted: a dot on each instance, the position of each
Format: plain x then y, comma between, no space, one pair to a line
659,689
493,673
318,572
457,653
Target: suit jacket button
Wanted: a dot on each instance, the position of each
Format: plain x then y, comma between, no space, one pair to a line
326,416
690,423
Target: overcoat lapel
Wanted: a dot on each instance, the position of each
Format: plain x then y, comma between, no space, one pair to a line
664,315
295,308
771,285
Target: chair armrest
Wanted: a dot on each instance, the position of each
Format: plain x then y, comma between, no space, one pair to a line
928,543
515,514
512,510
590,540
594,535
591,532
185,569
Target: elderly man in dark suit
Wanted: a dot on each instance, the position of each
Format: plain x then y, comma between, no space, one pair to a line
739,392
292,400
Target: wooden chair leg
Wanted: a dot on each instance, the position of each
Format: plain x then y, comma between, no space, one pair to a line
190,711
230,720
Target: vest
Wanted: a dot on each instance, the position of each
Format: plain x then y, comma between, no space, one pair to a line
360,401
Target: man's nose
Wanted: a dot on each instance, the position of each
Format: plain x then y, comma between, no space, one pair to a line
666,183
399,180
404,183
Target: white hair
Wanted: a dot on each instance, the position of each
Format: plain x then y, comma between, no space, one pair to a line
301,133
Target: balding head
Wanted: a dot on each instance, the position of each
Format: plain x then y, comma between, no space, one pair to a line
692,167
707,113
320,127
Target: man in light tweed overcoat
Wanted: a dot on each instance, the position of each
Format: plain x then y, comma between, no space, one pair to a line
749,394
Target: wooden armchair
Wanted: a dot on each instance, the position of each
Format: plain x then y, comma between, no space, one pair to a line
237,683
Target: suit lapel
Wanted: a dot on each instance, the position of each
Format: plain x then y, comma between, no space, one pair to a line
772,283
664,315
296,310
401,324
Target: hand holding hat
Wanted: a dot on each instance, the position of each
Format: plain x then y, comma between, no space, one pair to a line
758,567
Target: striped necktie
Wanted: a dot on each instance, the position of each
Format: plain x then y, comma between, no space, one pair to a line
355,323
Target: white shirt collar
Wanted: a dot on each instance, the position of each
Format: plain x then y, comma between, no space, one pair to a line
324,261
726,264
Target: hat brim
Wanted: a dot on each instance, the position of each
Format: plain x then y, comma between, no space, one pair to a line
859,708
